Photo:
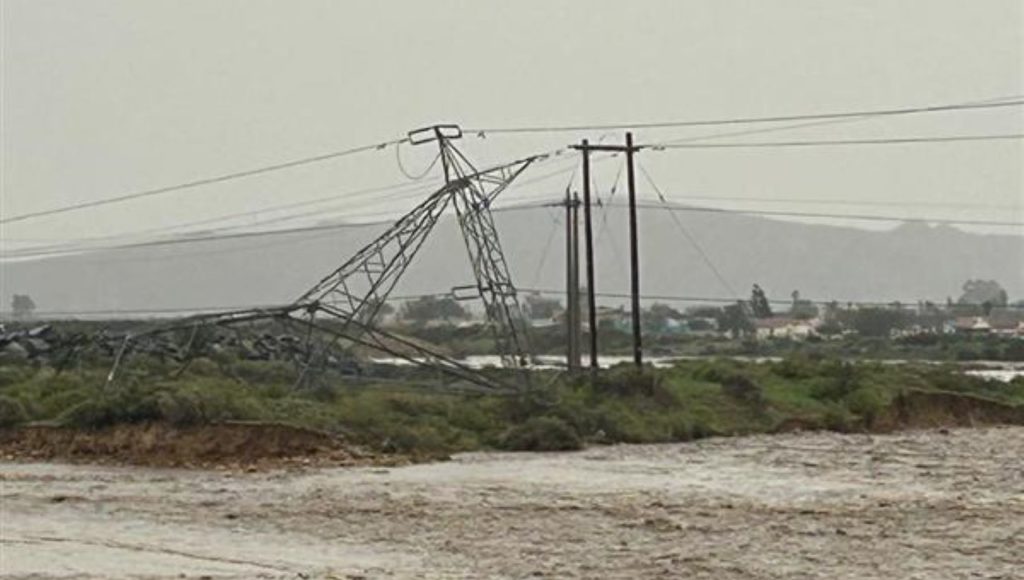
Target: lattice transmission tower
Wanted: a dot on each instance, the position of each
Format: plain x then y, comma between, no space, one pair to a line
321,328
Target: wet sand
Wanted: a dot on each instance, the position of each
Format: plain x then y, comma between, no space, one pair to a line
925,504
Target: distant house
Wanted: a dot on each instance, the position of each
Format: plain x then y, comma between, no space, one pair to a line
779,327
1007,321
971,325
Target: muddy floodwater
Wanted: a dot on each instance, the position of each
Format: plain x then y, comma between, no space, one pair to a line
927,504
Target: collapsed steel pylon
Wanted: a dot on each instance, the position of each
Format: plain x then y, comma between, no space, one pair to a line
338,313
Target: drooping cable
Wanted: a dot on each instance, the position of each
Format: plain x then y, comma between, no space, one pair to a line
405,172
689,236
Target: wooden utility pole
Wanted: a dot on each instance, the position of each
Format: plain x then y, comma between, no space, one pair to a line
572,283
589,240
577,319
634,250
634,253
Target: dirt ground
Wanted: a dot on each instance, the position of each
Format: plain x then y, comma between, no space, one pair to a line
926,504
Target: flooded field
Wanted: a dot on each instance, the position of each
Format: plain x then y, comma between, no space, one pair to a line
929,504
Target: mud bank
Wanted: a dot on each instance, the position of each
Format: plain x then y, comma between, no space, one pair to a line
260,445
924,504
268,445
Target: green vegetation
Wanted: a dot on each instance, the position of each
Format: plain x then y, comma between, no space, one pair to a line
691,400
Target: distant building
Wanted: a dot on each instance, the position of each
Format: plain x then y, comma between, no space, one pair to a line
779,327
1007,321
971,325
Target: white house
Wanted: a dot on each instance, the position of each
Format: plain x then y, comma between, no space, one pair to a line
783,328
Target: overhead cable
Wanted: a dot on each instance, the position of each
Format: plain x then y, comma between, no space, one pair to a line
198,182
749,120
837,142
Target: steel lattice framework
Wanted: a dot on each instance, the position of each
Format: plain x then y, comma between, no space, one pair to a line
338,313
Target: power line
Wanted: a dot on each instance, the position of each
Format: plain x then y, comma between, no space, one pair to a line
845,216
414,189
76,247
818,201
693,241
199,182
239,235
540,203
749,120
794,126
838,142
555,223
82,243
200,309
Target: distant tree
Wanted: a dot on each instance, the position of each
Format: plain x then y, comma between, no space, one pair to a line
539,307
22,306
734,320
429,308
876,322
978,292
657,316
759,303
831,320
931,315
802,309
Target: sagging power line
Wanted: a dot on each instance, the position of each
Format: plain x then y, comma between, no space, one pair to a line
1016,101
200,182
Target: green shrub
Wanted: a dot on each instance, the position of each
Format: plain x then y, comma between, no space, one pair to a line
181,408
627,380
795,367
542,434
743,389
1014,351
415,438
12,374
838,418
12,412
867,403
839,380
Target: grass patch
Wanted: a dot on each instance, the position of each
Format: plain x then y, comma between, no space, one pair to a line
691,400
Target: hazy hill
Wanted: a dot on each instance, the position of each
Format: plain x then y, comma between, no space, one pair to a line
823,262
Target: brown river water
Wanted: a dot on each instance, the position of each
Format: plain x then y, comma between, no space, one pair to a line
925,504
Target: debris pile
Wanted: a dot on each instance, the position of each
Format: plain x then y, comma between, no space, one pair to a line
45,345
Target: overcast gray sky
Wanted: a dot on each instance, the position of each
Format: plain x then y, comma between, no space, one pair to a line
102,98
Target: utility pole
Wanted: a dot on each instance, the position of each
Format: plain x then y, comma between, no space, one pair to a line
577,319
572,283
634,250
589,239
634,253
